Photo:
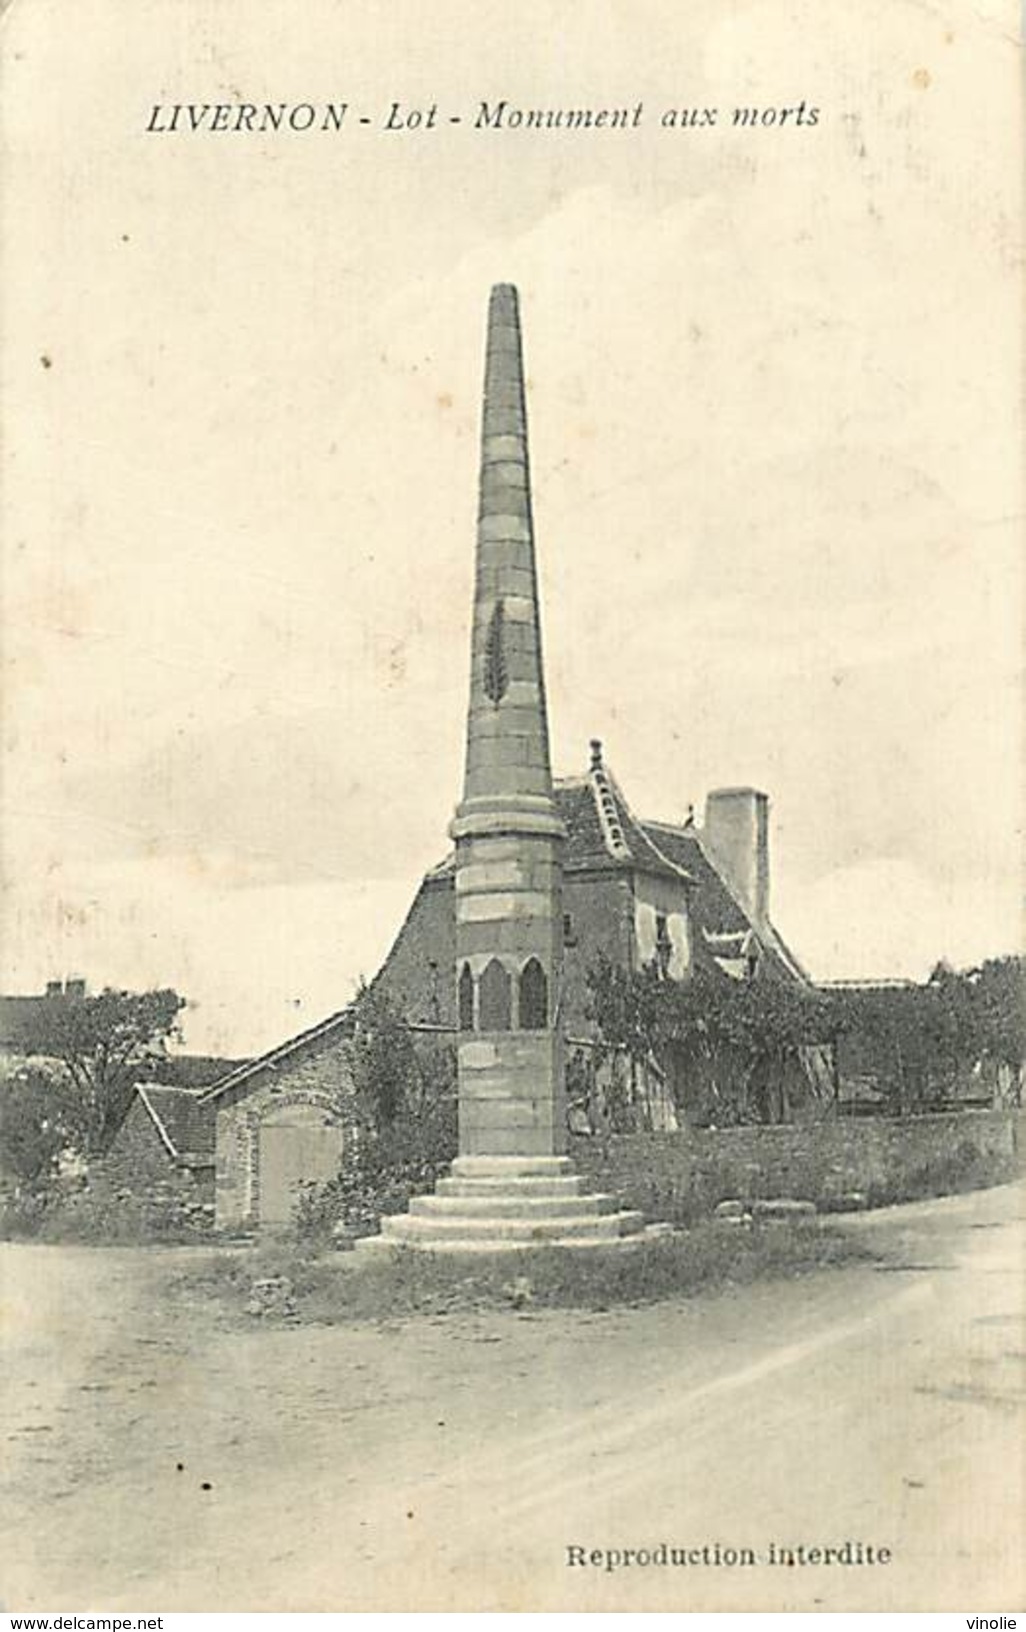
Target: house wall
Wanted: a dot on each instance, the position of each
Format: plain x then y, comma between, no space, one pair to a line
682,1176
420,971
318,1077
654,896
600,908
139,1166
419,974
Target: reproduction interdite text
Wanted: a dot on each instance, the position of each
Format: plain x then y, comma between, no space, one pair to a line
853,1554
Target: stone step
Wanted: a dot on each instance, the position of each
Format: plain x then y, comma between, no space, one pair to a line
512,1204
504,1167
469,1246
564,1184
419,1230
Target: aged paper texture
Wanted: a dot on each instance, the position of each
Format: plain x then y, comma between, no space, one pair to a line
769,275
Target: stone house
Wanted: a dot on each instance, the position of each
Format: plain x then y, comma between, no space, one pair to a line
164,1148
281,1121
637,892
247,1143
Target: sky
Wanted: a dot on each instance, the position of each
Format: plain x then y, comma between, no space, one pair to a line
776,445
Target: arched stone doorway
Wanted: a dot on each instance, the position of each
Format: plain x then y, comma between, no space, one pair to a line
297,1144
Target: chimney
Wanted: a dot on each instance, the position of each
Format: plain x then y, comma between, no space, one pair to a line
736,834
75,988
55,988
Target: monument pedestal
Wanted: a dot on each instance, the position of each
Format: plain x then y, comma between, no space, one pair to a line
507,1203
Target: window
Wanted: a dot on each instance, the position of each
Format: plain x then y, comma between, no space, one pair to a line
569,933
534,997
664,946
495,999
466,998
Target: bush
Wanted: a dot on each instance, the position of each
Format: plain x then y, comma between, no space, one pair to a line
380,1172
404,1131
99,1214
22,1212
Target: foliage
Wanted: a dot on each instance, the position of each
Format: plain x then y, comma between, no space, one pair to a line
997,999
100,1214
726,1045
33,1126
404,1130
381,1172
101,1043
929,1038
727,1041
385,1065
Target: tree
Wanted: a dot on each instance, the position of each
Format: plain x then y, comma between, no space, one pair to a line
624,1006
724,1045
405,1132
33,1126
385,1066
101,1043
924,1041
999,989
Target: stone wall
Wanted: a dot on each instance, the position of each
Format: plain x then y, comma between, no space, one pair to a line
682,1176
139,1169
317,1076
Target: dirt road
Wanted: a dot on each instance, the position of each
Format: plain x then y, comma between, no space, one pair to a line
160,1457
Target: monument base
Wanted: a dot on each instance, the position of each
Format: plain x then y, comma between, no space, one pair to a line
506,1204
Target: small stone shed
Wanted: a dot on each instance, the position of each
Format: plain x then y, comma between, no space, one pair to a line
164,1146
280,1122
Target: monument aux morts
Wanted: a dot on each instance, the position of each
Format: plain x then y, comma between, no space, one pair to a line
545,879
511,1183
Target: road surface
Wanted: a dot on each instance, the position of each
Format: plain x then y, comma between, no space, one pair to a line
163,1457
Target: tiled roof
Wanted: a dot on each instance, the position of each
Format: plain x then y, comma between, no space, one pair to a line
714,906
601,830
184,1123
725,930
601,827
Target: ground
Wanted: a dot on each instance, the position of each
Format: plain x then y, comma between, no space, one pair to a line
163,1457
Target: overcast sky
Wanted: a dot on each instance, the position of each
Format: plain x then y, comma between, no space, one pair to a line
773,381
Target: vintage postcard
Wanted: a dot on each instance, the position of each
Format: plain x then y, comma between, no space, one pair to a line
511,1034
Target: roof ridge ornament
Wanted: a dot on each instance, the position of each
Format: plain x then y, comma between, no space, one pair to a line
605,805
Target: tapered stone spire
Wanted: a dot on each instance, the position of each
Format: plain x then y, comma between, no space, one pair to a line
507,765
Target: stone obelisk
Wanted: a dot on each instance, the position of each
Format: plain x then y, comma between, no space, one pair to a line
511,1184
509,838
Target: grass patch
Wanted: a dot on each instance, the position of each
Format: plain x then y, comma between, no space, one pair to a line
341,1287
96,1217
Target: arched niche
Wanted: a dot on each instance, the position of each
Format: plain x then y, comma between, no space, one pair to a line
534,997
495,998
465,995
